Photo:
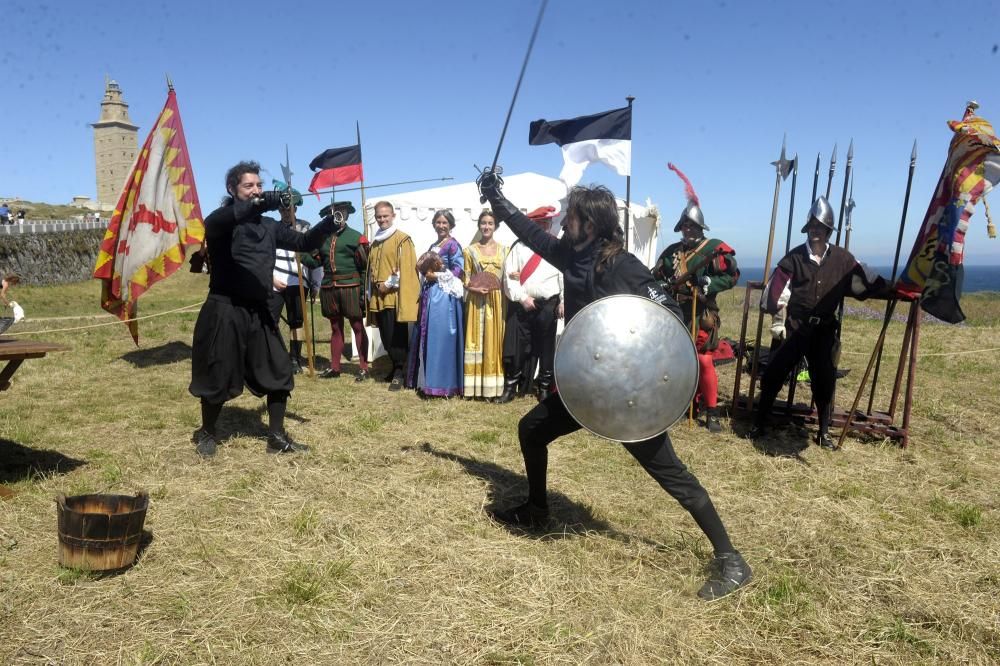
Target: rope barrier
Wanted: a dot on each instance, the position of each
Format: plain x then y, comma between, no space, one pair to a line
109,323
957,353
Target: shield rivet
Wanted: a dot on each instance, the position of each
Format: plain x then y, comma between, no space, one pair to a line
597,356
631,403
666,378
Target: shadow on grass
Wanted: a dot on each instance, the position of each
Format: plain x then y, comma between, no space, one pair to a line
172,352
507,488
18,462
252,422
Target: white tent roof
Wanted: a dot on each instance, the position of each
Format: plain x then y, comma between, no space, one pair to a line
526,190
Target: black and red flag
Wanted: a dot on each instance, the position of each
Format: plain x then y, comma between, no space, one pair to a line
336,166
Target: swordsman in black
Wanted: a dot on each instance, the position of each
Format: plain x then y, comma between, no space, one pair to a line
808,284
236,338
594,264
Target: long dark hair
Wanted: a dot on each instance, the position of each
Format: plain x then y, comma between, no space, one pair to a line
597,205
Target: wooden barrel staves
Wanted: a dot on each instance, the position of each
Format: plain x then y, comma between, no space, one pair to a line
100,532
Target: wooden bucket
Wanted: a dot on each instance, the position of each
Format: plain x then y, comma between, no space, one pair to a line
100,532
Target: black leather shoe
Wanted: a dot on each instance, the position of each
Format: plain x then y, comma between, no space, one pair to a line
824,441
526,516
756,432
362,376
396,384
296,367
281,442
329,373
730,572
204,442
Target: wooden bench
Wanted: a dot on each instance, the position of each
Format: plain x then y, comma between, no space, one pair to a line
15,352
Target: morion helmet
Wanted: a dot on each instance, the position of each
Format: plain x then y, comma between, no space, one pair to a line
692,213
821,212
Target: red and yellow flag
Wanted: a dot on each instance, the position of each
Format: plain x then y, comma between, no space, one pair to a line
934,272
156,219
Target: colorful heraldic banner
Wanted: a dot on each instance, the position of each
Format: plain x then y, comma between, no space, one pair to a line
157,218
934,271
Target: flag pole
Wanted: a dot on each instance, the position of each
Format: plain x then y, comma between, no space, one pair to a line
628,181
364,225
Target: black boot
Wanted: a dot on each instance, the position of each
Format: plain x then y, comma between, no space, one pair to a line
729,573
509,389
295,354
545,384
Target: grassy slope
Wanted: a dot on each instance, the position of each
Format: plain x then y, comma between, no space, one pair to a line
375,546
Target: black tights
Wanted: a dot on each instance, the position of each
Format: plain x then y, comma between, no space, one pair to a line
549,420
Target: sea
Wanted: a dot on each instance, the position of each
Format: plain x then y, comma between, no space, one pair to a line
977,278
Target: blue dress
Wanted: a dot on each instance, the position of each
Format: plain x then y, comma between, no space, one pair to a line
435,365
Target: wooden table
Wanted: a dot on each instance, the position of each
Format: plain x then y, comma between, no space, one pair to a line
15,352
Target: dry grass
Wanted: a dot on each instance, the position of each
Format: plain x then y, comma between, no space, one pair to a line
376,547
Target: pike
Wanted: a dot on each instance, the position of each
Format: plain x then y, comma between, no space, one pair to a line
850,210
369,187
840,222
490,176
791,204
891,305
782,166
876,357
843,196
812,199
833,168
286,173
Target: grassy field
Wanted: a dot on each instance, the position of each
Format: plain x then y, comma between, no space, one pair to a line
376,547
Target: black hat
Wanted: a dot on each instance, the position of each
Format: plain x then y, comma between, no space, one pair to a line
345,207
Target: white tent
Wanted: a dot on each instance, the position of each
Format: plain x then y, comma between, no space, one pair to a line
526,190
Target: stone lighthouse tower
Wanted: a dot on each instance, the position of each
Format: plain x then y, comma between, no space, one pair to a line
115,146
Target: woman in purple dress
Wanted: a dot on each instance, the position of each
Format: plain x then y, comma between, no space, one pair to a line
437,346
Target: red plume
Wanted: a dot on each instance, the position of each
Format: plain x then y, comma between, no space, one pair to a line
688,187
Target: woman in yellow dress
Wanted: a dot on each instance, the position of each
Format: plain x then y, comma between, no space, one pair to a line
484,312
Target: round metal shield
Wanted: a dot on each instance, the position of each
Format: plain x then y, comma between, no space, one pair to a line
626,368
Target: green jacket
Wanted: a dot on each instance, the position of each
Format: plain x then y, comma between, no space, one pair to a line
681,270
343,255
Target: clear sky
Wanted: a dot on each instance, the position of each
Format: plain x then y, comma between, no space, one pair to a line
717,84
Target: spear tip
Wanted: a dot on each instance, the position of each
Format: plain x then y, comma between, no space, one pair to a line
850,150
913,153
833,158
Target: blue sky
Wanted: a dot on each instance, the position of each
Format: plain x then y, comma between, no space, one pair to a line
717,84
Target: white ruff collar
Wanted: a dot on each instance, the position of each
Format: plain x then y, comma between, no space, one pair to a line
382,234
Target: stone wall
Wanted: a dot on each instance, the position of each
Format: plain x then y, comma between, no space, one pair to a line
52,258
